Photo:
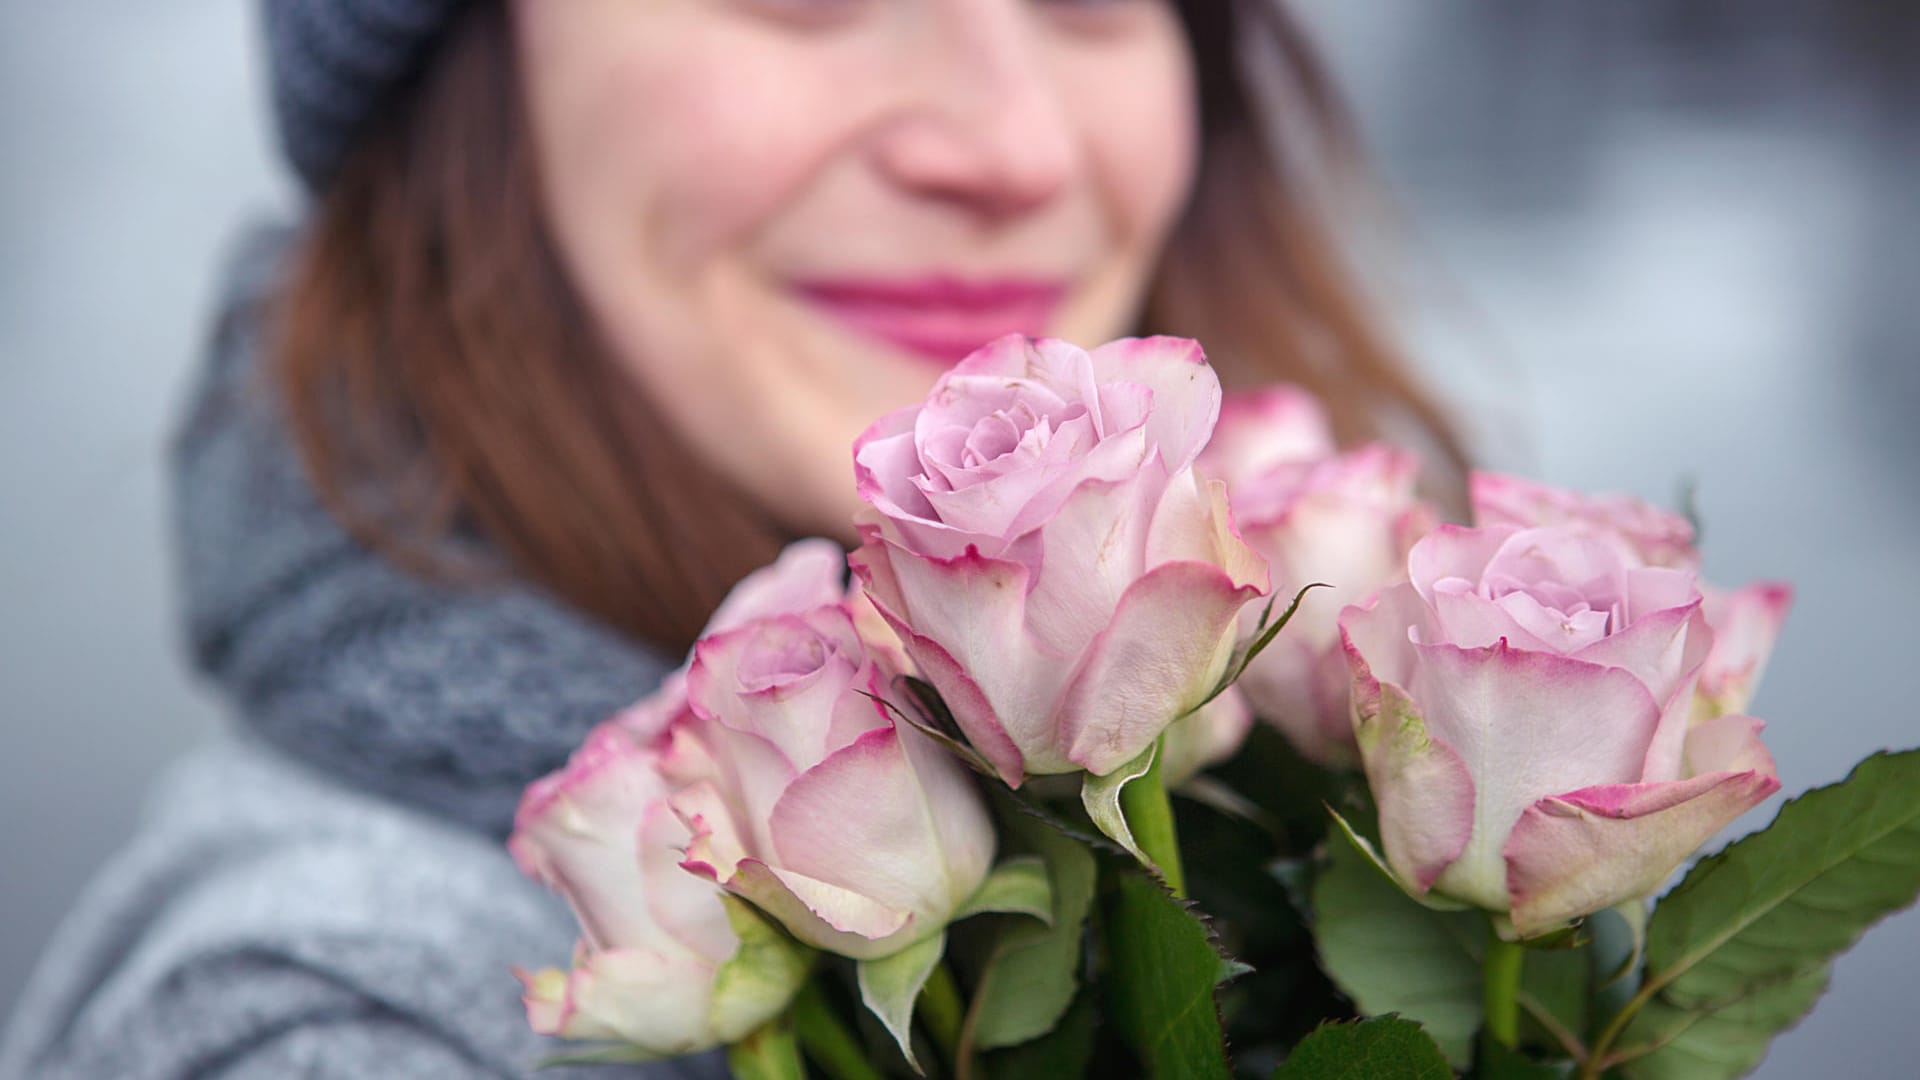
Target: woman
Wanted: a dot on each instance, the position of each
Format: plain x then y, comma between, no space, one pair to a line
592,299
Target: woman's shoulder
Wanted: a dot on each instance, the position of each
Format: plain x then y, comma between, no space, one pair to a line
268,922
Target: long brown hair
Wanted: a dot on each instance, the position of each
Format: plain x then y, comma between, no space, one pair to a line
442,379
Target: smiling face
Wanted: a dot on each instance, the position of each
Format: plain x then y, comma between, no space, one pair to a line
787,217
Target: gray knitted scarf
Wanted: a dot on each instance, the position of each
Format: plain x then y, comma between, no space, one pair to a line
450,699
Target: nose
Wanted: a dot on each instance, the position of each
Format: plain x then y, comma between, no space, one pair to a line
983,124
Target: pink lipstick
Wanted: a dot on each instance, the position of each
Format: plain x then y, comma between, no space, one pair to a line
940,318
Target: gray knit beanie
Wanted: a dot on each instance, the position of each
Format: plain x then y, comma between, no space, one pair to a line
333,62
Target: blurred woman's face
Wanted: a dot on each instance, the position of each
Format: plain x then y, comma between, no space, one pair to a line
789,216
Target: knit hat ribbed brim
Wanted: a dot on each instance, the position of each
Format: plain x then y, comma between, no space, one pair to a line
332,63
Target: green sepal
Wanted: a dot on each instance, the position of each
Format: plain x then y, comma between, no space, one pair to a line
1101,796
1365,848
1018,886
1030,977
761,977
890,986
1263,635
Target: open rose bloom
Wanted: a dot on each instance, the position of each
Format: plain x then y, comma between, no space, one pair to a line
1036,534
1746,621
1344,520
1524,707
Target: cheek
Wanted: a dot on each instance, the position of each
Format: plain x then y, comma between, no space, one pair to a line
665,138
1142,133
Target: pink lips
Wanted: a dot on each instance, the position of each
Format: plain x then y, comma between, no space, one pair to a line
939,318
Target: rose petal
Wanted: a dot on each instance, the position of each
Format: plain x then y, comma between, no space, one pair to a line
1422,787
575,832
1186,392
1453,552
1576,853
1745,622
655,1000
974,609
862,821
1528,725
1728,744
823,915
808,574
1260,429
971,709
1170,639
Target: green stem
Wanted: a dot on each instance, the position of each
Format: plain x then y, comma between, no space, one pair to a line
767,1053
1503,962
826,1040
941,1009
1597,1058
1149,815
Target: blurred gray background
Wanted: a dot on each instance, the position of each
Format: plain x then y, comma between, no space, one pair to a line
1649,241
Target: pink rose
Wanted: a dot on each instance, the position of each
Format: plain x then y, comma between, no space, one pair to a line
648,970
1745,622
1652,535
1522,707
1273,426
804,797
1346,520
1037,536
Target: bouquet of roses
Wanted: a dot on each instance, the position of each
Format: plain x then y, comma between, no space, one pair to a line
999,806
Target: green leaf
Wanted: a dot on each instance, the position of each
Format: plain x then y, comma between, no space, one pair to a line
1018,886
1160,986
1728,1041
1555,998
1101,796
1030,977
769,1053
1746,938
1392,955
1059,1054
1383,1048
891,984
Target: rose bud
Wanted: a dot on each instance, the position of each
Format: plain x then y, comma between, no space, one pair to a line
1316,515
1522,708
664,964
1036,535
804,797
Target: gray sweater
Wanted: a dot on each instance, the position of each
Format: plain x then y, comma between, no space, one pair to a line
266,922
325,892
